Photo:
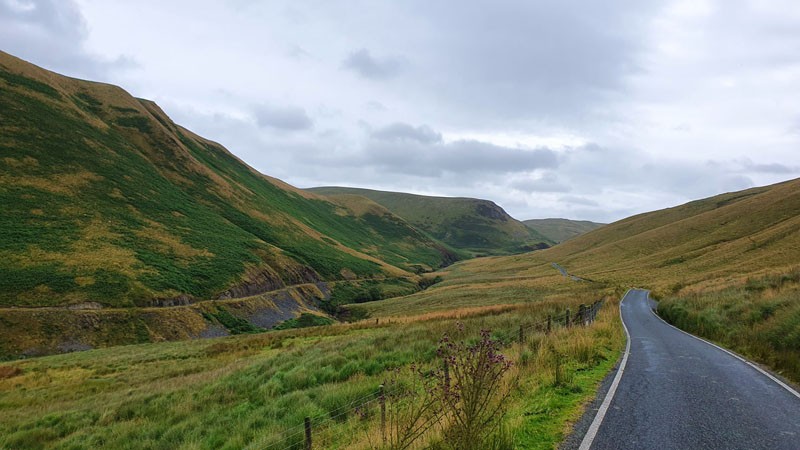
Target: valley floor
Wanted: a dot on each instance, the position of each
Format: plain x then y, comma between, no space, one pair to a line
255,390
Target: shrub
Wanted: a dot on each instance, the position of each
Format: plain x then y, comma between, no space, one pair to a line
473,391
303,321
9,371
412,409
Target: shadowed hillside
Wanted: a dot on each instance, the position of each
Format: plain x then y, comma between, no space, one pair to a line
478,227
559,230
107,200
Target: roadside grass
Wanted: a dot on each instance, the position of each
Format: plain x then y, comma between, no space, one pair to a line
759,318
560,374
252,389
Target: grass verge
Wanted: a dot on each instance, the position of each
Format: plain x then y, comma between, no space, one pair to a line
759,319
254,389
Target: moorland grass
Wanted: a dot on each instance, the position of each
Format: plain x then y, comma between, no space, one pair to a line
759,319
237,391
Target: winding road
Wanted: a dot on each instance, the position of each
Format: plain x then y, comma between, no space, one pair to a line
675,391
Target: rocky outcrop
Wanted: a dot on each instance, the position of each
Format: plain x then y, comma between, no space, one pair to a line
180,300
26,333
492,211
266,280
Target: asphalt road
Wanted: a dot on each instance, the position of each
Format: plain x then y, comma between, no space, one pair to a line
677,392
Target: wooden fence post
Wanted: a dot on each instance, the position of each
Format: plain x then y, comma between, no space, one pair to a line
549,323
582,314
521,334
566,318
308,433
446,377
382,400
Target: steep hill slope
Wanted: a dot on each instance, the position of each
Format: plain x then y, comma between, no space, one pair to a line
106,200
559,230
730,235
468,224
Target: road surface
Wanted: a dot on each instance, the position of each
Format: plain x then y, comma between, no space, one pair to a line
678,392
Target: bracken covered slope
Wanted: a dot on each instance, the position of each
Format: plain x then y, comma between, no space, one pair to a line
106,201
473,226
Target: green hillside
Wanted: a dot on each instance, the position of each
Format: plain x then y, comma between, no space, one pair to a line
559,230
726,268
477,227
106,200
733,235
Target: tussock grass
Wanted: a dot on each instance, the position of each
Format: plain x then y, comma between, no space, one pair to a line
253,389
759,318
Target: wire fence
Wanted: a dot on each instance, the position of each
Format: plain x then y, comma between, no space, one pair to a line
300,436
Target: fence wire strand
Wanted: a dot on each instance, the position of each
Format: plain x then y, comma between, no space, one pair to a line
586,316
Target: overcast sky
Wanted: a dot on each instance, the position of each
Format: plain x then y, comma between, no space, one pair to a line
585,110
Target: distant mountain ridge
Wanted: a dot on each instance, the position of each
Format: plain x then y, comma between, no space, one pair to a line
560,230
473,226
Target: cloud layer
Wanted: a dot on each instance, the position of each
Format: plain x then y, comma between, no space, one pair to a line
584,110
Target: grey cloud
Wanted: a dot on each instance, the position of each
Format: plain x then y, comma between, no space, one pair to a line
621,73
52,33
578,200
297,52
399,131
546,183
551,60
373,105
282,118
598,168
364,64
467,158
401,151
772,168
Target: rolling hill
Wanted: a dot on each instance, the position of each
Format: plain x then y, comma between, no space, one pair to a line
717,241
559,230
478,227
107,200
739,234
726,268
107,203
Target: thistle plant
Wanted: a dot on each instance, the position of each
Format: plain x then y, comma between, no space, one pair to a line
472,390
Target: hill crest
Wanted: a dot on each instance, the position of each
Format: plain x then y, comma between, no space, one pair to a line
476,226
123,207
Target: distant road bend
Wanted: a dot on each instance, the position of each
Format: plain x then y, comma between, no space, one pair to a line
678,392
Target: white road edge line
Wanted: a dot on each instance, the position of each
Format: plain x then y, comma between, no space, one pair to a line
588,438
740,358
